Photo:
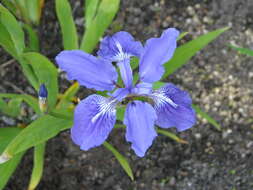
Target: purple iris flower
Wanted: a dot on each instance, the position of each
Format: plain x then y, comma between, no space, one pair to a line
95,116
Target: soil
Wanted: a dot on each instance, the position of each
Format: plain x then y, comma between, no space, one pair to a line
219,79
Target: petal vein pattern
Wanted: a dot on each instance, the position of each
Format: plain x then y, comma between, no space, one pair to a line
173,108
94,119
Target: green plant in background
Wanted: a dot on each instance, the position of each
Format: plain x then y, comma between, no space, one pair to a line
15,141
241,50
29,11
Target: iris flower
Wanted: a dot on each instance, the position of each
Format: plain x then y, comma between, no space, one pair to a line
95,116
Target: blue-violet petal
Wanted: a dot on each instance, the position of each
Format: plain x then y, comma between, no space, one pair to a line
157,51
94,119
139,120
88,70
173,108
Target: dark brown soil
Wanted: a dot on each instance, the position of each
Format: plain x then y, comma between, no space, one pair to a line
219,80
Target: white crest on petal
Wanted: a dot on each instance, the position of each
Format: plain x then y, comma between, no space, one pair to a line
160,99
106,107
121,55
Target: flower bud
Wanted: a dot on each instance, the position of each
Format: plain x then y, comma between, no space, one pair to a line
43,98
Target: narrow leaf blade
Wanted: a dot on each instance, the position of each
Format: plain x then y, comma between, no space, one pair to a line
105,14
36,133
171,136
30,100
68,95
14,29
68,28
122,160
186,51
90,11
6,169
38,164
207,117
243,50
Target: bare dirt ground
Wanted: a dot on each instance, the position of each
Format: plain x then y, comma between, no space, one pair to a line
219,79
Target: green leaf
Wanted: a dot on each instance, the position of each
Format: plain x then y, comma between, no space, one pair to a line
13,28
6,41
12,108
30,100
134,62
171,136
121,159
68,28
33,40
91,7
158,85
34,9
182,35
207,117
186,51
66,99
38,163
6,169
106,11
243,50
46,73
37,132
22,10
120,113
9,5
29,73
6,135
12,40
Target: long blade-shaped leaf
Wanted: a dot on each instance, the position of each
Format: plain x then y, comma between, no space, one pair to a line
14,29
30,100
207,117
36,133
91,7
243,50
186,51
106,11
33,9
33,40
122,160
12,40
172,136
68,28
68,95
6,169
10,5
12,108
46,73
38,163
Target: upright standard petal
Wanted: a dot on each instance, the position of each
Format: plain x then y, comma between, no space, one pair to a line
94,119
139,120
126,72
120,93
156,52
88,70
120,46
173,108
142,88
